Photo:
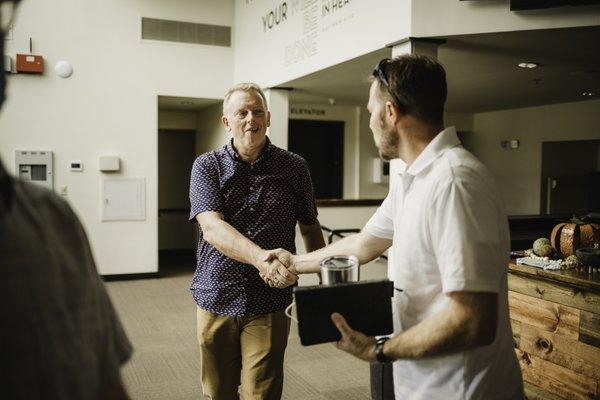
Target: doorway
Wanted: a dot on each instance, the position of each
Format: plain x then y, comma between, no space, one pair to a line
570,177
321,144
176,236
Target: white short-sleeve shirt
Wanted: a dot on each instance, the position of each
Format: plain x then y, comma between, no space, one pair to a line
450,233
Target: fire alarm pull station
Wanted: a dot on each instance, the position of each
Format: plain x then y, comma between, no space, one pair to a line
35,166
30,63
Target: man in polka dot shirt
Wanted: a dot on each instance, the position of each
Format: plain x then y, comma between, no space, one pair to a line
247,197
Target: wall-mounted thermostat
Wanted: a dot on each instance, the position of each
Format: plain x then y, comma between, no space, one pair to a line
76,166
109,164
34,166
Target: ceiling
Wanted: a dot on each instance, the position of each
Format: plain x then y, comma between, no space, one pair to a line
482,71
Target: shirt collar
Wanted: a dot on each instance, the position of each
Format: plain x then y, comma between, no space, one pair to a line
234,155
444,140
6,188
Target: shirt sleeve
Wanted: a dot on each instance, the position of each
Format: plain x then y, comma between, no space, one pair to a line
381,224
466,237
306,206
205,193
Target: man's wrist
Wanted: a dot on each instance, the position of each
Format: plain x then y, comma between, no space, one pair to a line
259,259
379,350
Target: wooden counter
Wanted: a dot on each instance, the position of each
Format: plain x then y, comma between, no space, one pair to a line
555,316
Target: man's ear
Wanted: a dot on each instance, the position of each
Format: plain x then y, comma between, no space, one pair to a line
268,118
225,123
392,112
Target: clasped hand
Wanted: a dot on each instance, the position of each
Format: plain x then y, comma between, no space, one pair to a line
278,270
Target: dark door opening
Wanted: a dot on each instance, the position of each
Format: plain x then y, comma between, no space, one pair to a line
321,143
176,236
570,177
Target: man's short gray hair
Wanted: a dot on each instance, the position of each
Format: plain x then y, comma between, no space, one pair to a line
244,87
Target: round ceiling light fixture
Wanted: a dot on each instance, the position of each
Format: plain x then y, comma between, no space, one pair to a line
528,65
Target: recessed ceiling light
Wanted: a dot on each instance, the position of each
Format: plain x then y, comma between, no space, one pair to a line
528,65
588,94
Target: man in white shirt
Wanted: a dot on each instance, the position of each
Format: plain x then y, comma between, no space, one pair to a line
446,225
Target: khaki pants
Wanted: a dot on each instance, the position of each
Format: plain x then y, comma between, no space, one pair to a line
254,346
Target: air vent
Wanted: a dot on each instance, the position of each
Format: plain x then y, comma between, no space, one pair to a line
185,32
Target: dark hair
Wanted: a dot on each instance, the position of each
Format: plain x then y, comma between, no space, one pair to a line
417,85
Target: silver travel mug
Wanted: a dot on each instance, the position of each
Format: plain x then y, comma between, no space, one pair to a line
339,269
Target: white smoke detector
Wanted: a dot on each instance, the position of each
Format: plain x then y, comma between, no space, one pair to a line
63,69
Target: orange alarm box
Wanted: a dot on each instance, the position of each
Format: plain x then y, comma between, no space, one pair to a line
30,64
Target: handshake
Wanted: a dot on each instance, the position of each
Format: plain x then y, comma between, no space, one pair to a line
277,268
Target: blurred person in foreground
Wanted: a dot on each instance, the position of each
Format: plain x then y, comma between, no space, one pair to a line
61,338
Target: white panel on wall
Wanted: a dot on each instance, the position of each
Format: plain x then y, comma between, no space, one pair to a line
123,199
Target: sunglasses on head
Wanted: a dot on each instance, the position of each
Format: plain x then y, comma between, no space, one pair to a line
379,72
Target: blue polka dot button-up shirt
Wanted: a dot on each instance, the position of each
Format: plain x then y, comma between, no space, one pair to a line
263,201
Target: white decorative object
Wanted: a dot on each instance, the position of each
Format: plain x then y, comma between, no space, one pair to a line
63,69
124,199
541,262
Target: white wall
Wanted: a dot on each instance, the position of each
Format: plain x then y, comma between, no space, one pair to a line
351,118
444,17
368,151
210,134
177,120
310,39
518,172
109,105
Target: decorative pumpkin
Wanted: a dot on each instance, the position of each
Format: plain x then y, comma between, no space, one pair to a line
567,237
542,247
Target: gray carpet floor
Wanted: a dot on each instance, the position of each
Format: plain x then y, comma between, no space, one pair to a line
159,318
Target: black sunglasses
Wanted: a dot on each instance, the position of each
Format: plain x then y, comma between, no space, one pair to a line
379,72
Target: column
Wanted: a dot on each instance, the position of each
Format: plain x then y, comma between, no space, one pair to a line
278,102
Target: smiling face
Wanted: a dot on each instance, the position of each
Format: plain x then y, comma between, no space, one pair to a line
247,118
384,134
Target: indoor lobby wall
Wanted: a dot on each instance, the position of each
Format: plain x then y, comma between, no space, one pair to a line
273,48
210,134
109,105
518,171
177,120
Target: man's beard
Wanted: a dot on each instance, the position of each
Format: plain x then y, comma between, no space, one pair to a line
388,145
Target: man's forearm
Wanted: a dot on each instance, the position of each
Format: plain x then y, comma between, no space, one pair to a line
361,245
464,323
231,243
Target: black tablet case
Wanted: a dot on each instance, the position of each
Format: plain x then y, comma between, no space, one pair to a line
367,306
